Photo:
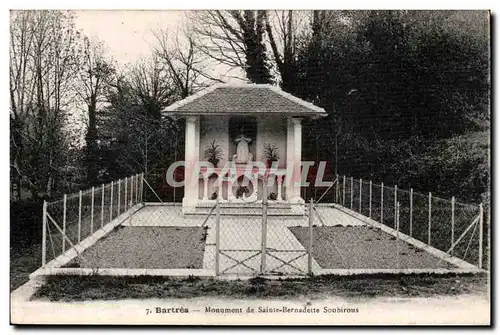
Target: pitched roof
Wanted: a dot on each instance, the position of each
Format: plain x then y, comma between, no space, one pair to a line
227,99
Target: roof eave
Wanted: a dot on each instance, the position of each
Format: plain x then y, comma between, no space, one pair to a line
313,114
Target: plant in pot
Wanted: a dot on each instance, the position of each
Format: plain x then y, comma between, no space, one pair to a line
272,196
214,153
214,196
270,154
242,190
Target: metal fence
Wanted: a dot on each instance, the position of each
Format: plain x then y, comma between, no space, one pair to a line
70,220
446,224
266,237
264,241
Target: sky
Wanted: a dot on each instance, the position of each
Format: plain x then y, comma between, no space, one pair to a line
128,35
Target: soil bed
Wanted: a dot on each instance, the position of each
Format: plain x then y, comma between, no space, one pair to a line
363,247
147,248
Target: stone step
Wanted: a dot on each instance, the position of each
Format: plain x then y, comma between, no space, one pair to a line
246,205
247,211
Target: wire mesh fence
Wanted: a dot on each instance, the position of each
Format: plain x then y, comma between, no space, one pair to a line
70,220
437,222
265,237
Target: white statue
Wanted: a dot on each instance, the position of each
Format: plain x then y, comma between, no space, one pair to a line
243,154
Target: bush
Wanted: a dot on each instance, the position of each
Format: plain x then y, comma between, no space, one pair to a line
26,222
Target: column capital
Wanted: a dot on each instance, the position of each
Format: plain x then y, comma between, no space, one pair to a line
296,121
191,119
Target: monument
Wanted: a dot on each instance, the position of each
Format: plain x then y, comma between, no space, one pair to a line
243,128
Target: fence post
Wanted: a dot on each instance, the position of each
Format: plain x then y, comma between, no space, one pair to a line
481,215
136,188
142,188
44,233
92,212
264,227
125,196
452,223
111,203
430,219
131,195
382,203
395,202
337,189
102,206
370,202
411,211
352,188
343,191
217,236
396,219
79,216
360,193
118,200
310,238
139,188
64,223
131,190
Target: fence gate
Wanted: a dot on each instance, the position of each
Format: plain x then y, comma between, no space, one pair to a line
238,243
259,244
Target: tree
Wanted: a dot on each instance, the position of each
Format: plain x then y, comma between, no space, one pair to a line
394,84
43,63
134,135
95,73
235,38
181,61
286,31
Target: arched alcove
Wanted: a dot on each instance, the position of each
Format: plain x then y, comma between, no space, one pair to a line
247,125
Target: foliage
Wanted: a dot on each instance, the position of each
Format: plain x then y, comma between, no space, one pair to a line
96,71
134,136
242,190
388,97
235,38
407,94
270,152
272,196
213,196
44,57
214,153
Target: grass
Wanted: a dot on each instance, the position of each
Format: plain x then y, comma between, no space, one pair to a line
23,261
74,288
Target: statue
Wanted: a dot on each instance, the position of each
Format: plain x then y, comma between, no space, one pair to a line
243,154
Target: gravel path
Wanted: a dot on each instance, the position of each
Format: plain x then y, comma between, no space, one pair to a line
148,247
358,247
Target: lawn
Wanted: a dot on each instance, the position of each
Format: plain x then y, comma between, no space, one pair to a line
364,247
24,259
147,247
74,288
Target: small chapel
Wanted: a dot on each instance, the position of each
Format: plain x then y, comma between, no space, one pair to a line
240,128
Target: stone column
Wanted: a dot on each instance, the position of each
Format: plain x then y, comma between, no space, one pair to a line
289,160
297,157
279,179
205,188
191,156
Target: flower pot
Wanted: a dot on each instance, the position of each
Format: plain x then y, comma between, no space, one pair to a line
214,162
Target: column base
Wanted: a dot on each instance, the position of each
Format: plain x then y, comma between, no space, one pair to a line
189,205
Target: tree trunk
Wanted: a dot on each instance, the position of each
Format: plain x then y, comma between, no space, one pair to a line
91,141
